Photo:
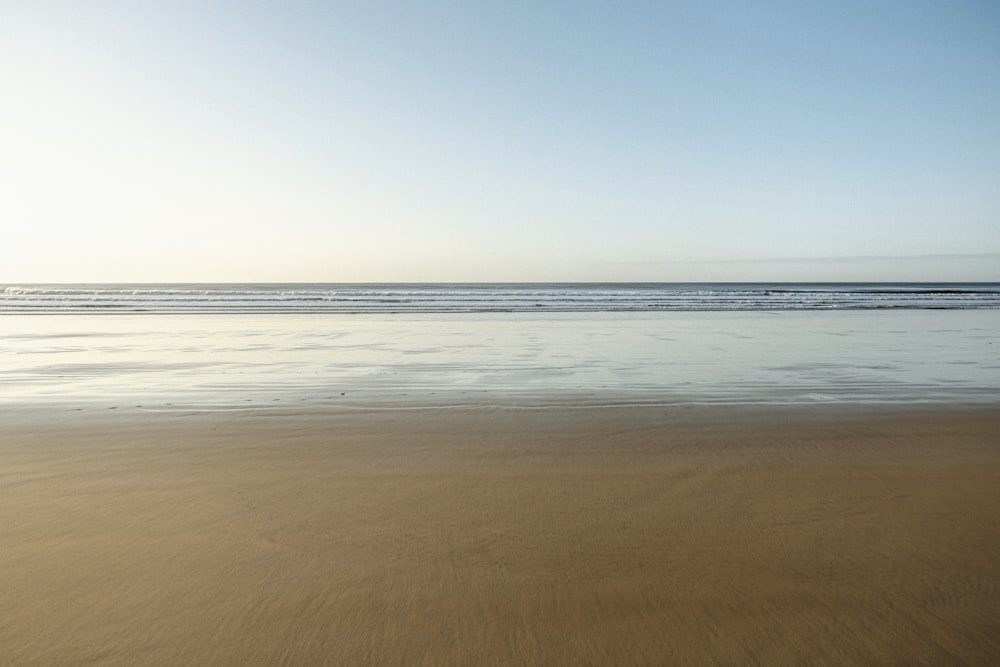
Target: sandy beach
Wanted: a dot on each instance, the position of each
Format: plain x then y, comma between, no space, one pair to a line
472,334
644,535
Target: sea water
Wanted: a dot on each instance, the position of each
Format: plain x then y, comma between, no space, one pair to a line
494,297
251,346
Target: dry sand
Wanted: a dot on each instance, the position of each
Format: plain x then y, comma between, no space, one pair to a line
700,535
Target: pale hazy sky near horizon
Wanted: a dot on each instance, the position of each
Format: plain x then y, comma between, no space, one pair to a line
424,141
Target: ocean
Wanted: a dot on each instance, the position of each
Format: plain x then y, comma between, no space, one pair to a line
493,297
234,347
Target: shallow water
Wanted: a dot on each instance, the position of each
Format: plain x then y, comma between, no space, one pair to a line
227,361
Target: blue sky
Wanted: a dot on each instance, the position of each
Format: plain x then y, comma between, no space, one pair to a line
314,141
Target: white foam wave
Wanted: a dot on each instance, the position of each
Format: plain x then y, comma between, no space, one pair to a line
499,298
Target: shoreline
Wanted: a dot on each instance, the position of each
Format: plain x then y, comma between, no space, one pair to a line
691,534
223,361
374,399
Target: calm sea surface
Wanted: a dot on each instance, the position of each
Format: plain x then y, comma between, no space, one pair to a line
166,347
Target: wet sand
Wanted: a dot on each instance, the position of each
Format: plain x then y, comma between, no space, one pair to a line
650,535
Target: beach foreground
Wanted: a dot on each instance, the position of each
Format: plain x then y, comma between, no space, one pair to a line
620,535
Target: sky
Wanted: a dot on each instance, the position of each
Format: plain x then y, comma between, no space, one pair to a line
294,141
